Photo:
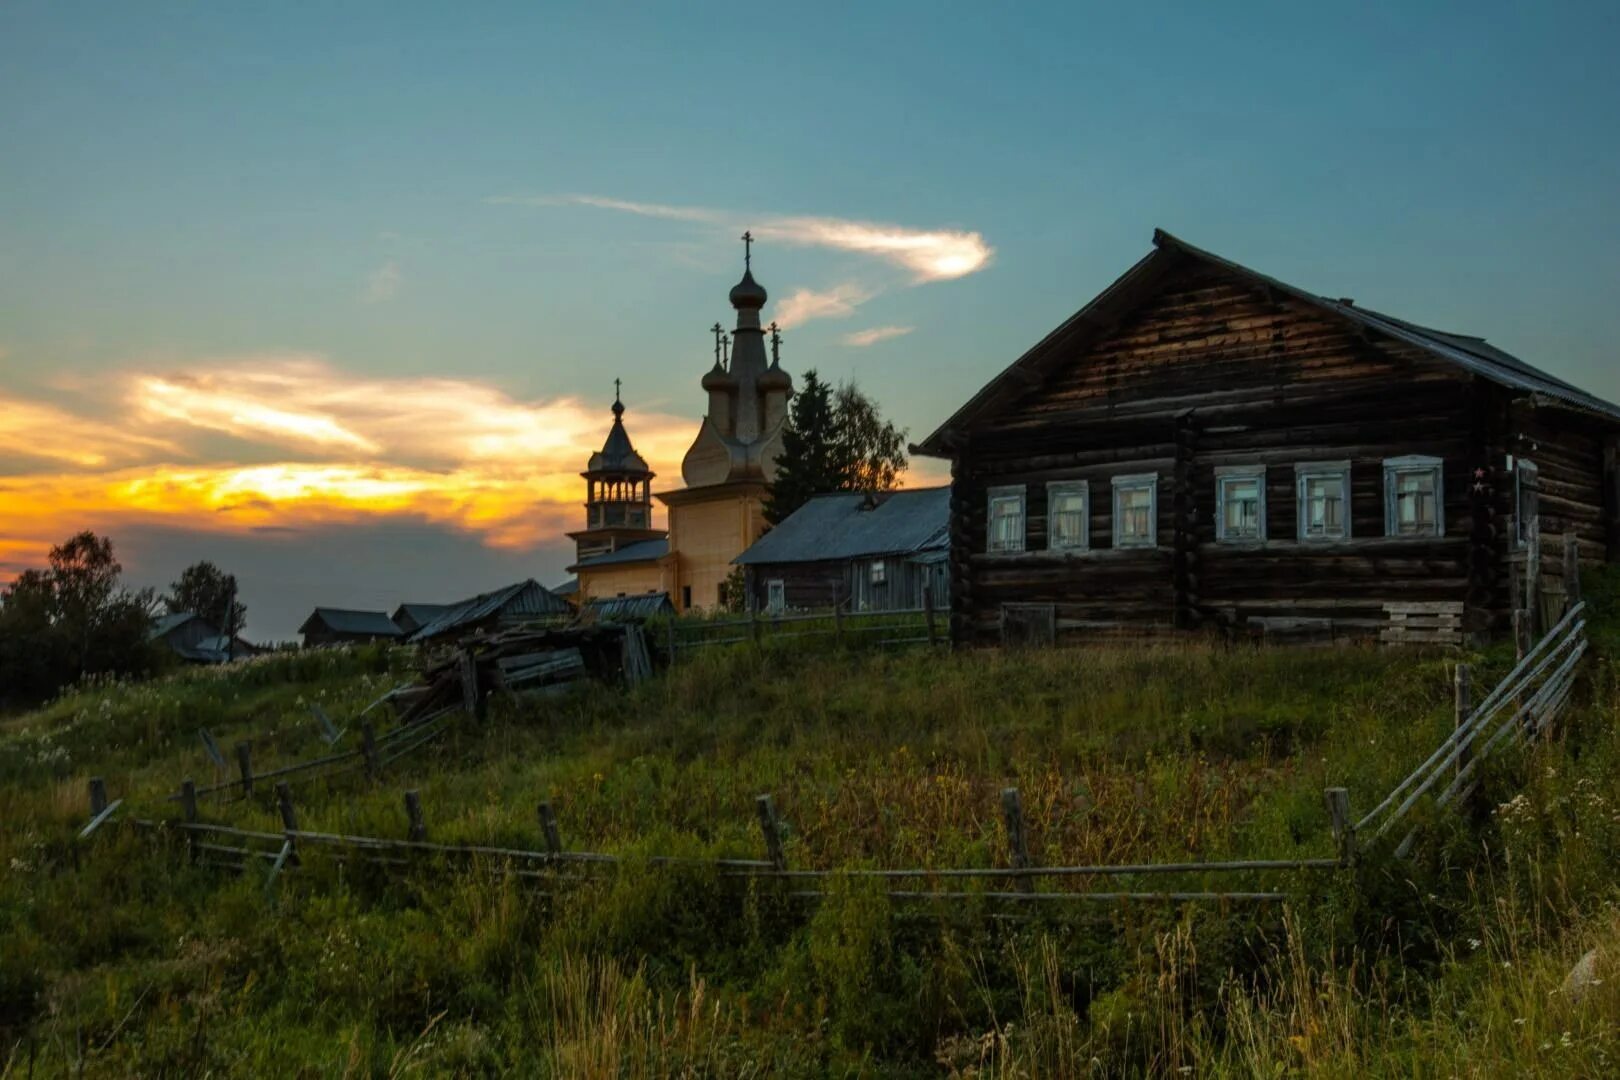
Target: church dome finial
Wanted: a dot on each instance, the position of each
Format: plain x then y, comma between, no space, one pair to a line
618,405
748,293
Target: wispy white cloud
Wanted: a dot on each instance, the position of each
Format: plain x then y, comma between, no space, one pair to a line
929,254
838,302
862,338
383,282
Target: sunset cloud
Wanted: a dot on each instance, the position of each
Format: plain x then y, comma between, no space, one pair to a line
456,453
383,282
862,338
838,302
928,254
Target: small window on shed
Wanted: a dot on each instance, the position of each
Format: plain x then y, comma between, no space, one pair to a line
1136,510
1324,500
1414,496
776,596
878,573
1005,527
1068,513
1240,503
1526,499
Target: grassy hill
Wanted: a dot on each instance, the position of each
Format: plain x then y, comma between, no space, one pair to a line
121,957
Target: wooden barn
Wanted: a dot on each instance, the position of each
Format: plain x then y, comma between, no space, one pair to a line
343,626
1204,447
515,605
878,551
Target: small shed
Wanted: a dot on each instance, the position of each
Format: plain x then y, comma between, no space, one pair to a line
196,641
522,602
627,608
343,626
871,551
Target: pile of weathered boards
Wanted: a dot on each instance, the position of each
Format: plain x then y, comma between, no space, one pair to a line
522,659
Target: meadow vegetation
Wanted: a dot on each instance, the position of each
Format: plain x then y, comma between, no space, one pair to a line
119,957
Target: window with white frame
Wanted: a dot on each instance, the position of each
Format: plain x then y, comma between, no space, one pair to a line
1324,499
1136,510
1068,513
1414,496
1240,503
776,596
1526,498
879,573
1005,527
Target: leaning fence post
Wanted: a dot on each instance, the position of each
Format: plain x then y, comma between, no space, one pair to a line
1344,832
928,612
1521,633
368,747
1572,570
771,829
413,811
1463,706
98,795
548,826
289,818
1012,811
244,763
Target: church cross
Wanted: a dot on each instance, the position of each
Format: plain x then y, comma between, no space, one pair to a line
615,389
716,329
748,249
776,343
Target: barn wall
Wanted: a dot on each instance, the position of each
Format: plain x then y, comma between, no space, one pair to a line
1218,371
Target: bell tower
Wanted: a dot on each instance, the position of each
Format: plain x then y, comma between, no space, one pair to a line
618,494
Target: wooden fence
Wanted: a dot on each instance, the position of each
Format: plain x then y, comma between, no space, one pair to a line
874,629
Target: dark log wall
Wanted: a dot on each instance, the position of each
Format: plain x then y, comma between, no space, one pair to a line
1220,371
1570,454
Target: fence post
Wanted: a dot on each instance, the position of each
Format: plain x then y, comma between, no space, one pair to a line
1344,832
98,795
368,747
669,629
289,819
928,613
838,617
413,811
1572,570
244,763
188,807
548,826
771,829
1521,633
1462,686
1012,811
753,621
470,697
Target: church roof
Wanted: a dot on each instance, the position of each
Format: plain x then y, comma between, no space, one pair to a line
617,454
640,551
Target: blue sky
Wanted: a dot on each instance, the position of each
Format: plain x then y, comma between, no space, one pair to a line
378,203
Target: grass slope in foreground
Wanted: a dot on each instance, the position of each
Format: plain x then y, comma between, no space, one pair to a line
136,963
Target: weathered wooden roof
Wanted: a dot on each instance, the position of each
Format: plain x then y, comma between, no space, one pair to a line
637,606
522,599
1141,282
841,526
164,625
347,621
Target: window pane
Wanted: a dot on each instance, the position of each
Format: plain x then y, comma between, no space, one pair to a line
1324,506
1415,502
1006,523
1241,500
1135,509
1067,518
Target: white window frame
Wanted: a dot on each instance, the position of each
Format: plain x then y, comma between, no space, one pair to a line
776,596
1304,472
1069,487
1148,482
1524,469
877,573
1413,463
992,496
1226,474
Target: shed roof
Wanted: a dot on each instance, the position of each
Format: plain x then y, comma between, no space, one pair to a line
419,613
527,597
348,621
164,625
841,526
640,551
638,606
1140,282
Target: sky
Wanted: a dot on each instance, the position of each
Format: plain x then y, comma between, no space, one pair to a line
334,295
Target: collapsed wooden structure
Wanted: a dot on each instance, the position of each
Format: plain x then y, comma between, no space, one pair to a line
1203,446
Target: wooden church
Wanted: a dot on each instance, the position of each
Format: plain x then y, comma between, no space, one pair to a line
1205,447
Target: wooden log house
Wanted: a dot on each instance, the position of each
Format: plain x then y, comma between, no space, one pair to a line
1203,447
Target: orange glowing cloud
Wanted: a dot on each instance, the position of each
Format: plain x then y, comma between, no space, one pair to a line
457,453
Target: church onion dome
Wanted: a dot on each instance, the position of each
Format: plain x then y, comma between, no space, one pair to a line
718,378
774,378
748,293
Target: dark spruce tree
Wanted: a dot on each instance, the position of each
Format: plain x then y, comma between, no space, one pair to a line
206,590
808,464
836,440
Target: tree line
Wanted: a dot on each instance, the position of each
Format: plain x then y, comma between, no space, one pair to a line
75,619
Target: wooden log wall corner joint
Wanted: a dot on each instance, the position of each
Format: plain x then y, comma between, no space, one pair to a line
1611,498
